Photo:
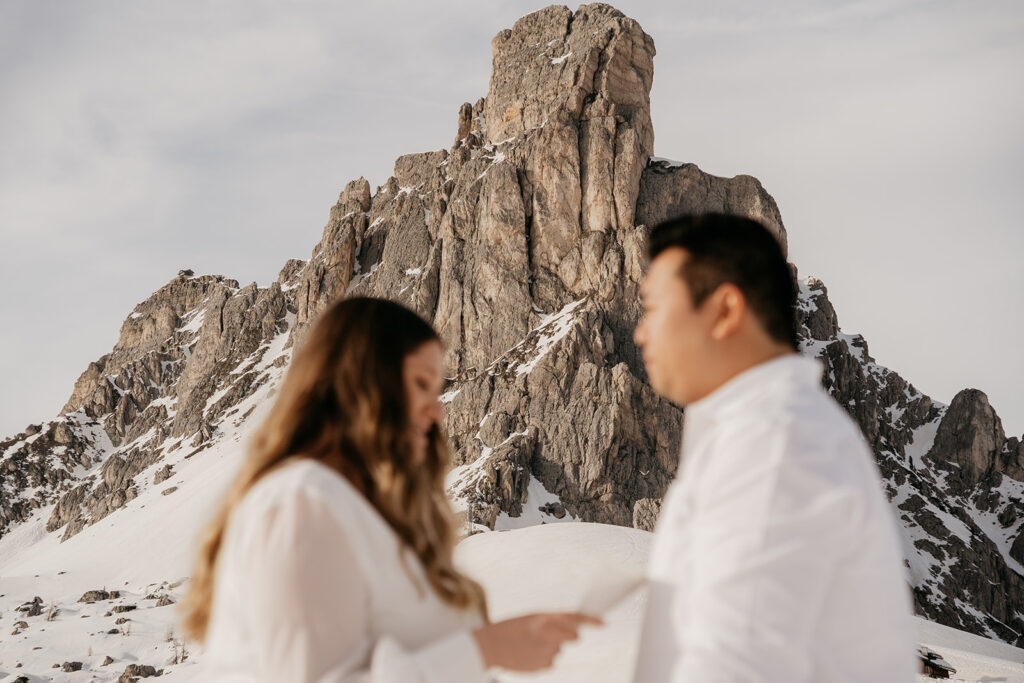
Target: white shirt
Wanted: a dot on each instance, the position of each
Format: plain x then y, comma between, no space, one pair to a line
776,558
310,587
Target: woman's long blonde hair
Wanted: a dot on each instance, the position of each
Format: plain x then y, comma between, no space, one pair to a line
343,403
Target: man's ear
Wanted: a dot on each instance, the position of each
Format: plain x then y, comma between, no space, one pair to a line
730,307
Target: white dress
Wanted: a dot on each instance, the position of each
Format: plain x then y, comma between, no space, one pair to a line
310,587
776,558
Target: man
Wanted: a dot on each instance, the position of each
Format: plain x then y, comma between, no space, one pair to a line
776,558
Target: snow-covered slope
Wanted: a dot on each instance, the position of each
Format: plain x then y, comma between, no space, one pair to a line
567,567
559,566
544,567
974,658
144,549
953,478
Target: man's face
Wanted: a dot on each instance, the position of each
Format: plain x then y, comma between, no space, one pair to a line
674,336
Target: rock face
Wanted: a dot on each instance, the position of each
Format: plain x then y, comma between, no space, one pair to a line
953,479
524,244
184,359
522,419
970,439
670,188
520,244
581,82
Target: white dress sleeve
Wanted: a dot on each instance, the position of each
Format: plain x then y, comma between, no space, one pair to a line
307,608
766,542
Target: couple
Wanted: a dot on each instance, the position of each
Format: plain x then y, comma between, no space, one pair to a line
775,558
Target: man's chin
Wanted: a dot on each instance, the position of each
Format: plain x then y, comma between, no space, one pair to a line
664,390
655,381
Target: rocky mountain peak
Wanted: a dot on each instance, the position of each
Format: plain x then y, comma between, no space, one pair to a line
971,437
146,331
594,65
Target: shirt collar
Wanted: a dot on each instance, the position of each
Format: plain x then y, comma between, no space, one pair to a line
789,369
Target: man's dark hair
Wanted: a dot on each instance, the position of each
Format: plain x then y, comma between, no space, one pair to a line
741,251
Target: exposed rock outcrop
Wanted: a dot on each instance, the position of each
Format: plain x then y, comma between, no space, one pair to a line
970,439
133,672
670,189
185,357
949,471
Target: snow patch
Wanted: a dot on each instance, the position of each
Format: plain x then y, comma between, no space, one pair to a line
192,321
553,328
537,497
359,277
671,163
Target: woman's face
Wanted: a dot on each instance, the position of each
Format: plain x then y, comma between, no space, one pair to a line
423,376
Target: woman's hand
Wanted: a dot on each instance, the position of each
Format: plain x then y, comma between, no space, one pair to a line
529,643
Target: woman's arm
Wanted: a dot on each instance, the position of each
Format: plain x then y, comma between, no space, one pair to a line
307,610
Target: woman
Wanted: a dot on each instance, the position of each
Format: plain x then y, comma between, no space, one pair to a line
331,559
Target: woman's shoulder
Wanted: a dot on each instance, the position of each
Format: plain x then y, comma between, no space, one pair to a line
302,475
297,508
306,480
308,495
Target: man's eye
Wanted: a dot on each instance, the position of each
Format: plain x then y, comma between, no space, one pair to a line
422,384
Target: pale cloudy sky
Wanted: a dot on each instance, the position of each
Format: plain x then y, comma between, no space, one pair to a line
137,139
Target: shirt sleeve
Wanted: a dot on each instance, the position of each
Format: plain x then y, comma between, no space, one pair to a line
767,537
307,608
